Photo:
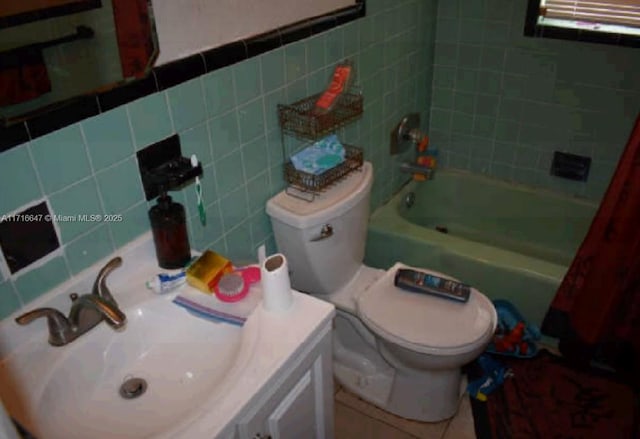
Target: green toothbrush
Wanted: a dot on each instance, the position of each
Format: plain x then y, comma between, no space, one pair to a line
201,212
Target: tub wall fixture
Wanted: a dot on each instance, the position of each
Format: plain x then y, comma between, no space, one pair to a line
407,135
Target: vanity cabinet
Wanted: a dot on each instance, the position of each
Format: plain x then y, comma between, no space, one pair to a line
298,402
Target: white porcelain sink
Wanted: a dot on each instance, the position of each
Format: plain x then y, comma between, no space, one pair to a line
181,358
201,375
73,391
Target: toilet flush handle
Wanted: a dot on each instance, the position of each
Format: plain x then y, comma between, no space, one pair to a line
325,232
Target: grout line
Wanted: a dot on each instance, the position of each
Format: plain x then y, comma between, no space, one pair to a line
16,293
29,136
446,428
132,133
207,120
382,421
155,81
167,102
241,147
99,106
5,272
60,251
343,389
35,170
100,196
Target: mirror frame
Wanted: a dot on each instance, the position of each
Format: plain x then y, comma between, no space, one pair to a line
129,69
162,77
55,11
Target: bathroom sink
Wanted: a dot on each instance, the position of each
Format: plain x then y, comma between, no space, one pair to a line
137,382
181,376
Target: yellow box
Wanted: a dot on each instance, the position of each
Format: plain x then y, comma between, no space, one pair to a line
205,272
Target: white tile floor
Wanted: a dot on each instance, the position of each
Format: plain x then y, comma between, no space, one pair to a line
357,419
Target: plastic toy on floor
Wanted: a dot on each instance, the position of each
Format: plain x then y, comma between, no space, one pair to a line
514,336
494,374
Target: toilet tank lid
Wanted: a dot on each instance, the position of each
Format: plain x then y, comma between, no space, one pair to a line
329,204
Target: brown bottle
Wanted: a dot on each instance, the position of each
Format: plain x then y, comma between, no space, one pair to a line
169,227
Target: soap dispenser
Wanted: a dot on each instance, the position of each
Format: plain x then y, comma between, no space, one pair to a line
169,228
162,169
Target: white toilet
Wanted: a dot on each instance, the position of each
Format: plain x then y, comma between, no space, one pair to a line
401,351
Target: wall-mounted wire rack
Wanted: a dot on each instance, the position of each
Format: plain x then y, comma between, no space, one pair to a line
302,121
307,186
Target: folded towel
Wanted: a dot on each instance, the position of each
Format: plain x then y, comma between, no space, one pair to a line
23,76
323,155
208,306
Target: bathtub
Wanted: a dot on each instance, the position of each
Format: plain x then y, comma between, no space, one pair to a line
509,241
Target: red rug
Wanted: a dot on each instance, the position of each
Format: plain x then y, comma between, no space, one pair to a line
546,398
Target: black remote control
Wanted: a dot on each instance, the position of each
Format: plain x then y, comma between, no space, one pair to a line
419,282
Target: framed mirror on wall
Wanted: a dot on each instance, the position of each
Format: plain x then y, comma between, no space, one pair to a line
157,48
52,51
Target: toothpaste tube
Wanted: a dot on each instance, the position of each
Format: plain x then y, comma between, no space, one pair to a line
164,282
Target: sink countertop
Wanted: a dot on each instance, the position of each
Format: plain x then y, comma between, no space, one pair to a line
269,343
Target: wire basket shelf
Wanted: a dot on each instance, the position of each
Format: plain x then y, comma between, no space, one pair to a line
306,185
301,120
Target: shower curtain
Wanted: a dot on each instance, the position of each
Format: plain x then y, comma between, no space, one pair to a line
596,310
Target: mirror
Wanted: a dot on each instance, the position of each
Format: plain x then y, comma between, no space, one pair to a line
54,50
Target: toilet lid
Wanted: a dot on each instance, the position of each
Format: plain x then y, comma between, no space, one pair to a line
425,323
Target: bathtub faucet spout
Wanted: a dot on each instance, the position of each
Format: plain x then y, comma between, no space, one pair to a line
412,168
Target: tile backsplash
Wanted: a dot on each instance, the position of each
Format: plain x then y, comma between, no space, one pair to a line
228,118
502,103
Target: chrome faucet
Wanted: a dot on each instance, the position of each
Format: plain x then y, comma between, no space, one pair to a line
412,168
100,285
86,311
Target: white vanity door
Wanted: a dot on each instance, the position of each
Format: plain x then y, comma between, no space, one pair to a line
302,405
295,417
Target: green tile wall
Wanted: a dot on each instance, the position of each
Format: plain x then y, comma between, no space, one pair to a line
502,102
228,118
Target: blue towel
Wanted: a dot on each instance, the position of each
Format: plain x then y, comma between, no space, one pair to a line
323,155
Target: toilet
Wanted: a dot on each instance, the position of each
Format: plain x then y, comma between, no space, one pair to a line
399,350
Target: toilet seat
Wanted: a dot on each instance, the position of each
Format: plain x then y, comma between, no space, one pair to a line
424,323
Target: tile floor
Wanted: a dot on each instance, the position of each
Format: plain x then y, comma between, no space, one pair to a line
357,419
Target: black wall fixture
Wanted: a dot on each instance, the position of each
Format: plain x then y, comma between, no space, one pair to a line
570,166
162,167
27,236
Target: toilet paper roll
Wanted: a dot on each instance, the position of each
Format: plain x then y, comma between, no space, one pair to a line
276,286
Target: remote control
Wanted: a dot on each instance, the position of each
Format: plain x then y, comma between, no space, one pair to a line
419,282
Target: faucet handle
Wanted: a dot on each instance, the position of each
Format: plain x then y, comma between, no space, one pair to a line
100,285
60,330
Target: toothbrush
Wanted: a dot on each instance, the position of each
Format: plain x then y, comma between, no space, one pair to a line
201,212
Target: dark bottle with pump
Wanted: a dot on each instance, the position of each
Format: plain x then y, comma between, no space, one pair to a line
168,224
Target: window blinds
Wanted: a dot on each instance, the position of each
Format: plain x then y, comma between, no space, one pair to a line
622,12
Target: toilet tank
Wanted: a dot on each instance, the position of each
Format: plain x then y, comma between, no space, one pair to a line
322,266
